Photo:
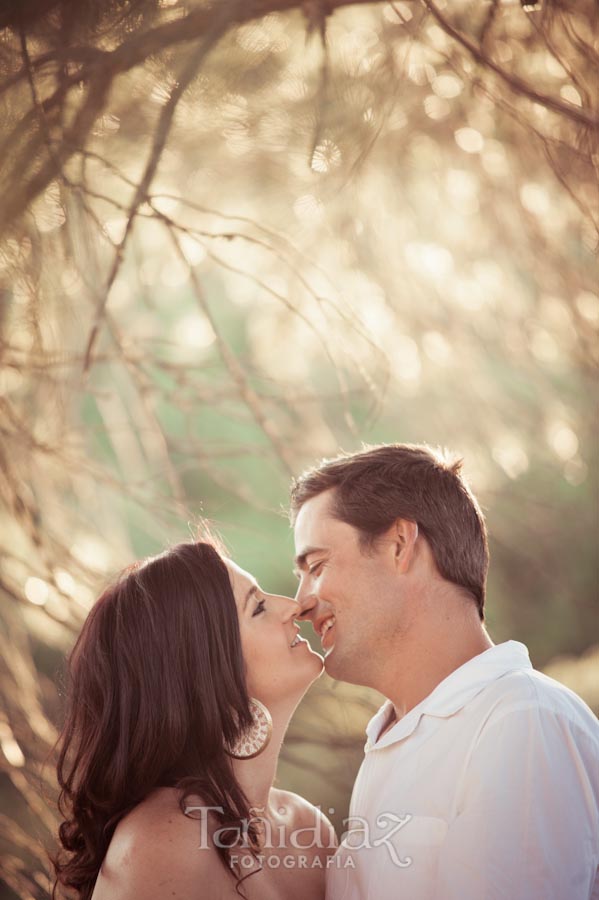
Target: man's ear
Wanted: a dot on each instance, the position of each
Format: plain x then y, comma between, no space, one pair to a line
405,536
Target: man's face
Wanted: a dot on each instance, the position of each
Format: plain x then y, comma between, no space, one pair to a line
351,596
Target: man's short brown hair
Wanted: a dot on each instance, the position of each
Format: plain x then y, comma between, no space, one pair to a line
373,488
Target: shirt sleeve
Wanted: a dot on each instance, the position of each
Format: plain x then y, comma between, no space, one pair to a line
527,821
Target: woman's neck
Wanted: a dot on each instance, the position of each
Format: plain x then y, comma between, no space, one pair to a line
256,776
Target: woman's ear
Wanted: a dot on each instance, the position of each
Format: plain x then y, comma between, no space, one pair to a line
405,537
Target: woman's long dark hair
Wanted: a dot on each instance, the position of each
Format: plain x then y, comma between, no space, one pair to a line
156,686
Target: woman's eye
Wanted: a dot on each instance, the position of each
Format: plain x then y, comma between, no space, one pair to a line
259,608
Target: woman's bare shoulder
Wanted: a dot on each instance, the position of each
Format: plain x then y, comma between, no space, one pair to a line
303,814
156,852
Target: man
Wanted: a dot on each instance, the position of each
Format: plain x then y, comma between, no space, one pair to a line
481,775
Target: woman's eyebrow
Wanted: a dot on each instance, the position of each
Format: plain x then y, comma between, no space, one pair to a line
249,594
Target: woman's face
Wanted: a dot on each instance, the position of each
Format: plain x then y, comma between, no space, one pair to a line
275,669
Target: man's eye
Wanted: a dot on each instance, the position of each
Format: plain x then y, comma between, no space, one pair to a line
259,608
314,568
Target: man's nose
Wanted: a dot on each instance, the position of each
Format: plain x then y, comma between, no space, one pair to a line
307,603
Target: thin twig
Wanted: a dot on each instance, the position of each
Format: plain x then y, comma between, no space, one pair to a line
246,392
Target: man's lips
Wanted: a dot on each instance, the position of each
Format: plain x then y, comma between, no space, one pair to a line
327,636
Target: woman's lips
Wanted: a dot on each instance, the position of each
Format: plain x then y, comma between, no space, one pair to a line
300,641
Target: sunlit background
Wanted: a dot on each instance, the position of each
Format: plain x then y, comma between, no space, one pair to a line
388,236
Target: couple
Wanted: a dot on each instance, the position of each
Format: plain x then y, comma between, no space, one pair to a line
481,775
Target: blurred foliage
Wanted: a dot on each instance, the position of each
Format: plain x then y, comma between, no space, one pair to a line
236,237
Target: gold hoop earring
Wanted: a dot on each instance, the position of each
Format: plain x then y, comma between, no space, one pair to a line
257,737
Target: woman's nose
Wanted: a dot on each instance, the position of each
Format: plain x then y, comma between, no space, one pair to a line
288,608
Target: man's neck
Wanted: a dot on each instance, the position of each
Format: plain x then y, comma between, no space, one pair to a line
425,660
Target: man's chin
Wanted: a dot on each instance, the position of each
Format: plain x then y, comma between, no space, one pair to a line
332,664
339,668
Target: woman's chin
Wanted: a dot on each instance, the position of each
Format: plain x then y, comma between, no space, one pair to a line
318,665
318,660
311,672
294,681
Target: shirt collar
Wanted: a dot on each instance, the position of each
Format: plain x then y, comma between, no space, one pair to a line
452,693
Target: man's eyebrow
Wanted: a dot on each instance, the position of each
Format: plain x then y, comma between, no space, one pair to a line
300,559
249,594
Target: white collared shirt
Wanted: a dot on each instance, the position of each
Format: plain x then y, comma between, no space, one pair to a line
488,789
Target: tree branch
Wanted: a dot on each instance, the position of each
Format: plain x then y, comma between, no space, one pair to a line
574,113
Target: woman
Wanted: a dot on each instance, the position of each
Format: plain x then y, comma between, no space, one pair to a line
182,684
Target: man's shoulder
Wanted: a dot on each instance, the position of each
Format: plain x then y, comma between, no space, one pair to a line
531,691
